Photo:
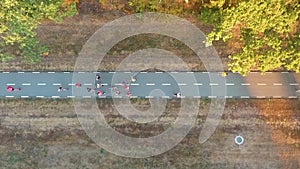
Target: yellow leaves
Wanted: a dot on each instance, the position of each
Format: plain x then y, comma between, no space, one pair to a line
69,2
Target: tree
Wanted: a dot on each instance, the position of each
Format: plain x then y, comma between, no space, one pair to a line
19,19
267,34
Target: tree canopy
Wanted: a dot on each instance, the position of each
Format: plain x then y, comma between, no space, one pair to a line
20,18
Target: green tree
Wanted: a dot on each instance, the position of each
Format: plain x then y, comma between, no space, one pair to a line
20,18
267,32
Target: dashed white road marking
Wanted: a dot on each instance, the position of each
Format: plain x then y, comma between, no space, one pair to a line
118,84
245,84
245,97
260,97
51,72
26,84
277,84
229,84
111,72
149,97
181,84
56,84
81,72
166,84
5,72
165,97
197,97
10,96
21,72
66,72
213,84
70,96
118,97
24,96
261,84
294,84
10,84
158,72
87,84
127,72
211,97
150,84
41,84
36,72
55,96
254,72
39,96
205,72
173,72
227,97
71,84
277,97
292,97
143,72
189,72
133,97
104,84
134,84
198,84
87,96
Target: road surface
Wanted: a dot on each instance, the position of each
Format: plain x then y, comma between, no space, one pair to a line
150,84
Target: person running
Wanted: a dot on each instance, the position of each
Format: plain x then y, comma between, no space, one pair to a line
99,85
60,88
11,89
178,95
133,79
78,85
98,77
89,89
117,93
100,93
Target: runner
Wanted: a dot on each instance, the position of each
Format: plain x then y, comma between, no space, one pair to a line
133,79
98,78
99,85
89,89
78,85
117,92
100,93
11,89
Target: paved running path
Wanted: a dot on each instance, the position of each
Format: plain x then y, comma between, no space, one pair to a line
151,84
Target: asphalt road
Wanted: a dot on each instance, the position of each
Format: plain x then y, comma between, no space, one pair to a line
150,84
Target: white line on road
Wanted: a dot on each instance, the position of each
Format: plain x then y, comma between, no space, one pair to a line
87,84
71,84
189,72
127,72
174,72
26,84
149,97
245,97
118,84
134,84
212,97
20,72
181,84
277,97
150,84
70,96
81,72
197,97
36,72
5,72
166,84
111,72
104,84
294,84
158,72
245,84
165,97
229,84
51,72
10,96
261,84
10,84
143,72
55,96
133,97
56,84
87,96
277,84
39,96
205,72
260,97
292,97
227,97
66,72
24,96
198,84
213,84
